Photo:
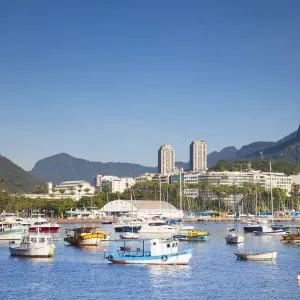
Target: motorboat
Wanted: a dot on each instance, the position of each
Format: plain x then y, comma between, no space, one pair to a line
159,227
161,252
33,245
38,223
258,256
270,230
199,236
86,236
129,235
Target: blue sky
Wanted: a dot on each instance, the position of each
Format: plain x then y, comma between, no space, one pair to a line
114,80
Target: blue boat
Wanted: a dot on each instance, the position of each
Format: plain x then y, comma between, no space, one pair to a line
161,252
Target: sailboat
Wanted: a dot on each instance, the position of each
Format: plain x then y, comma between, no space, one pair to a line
130,234
270,229
233,236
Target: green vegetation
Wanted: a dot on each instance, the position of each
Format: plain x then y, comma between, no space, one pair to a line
263,165
15,178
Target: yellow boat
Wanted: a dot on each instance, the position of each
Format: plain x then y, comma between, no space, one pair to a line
86,236
197,233
292,237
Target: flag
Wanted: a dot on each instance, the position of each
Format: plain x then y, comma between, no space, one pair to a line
261,153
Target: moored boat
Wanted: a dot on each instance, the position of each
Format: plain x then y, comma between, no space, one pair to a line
10,231
129,235
293,237
258,256
33,245
162,252
86,236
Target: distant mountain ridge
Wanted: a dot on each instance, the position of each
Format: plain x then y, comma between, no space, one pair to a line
61,167
13,174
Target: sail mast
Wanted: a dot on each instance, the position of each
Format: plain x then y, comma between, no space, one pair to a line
235,209
271,191
180,191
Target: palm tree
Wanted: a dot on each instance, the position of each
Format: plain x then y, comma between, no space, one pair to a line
71,189
62,191
19,185
38,189
80,188
87,190
3,180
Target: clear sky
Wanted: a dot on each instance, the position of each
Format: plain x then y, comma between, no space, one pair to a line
114,80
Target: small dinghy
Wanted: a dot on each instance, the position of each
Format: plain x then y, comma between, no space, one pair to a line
129,236
257,256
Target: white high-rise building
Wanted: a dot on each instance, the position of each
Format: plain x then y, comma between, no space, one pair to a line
166,159
198,156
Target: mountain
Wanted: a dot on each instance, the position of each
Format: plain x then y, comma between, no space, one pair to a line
61,167
286,149
13,174
227,153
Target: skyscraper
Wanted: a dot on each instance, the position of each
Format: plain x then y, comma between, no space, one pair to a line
198,156
166,159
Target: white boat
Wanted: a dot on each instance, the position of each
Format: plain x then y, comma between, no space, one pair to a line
11,231
262,256
162,252
159,227
234,238
33,245
129,235
269,230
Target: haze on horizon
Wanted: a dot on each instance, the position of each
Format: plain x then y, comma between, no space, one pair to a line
114,80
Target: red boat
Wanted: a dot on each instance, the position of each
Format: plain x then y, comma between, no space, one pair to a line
45,227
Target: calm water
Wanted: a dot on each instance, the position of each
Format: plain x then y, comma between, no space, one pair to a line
213,273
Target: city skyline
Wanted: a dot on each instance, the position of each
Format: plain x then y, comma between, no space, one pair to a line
101,78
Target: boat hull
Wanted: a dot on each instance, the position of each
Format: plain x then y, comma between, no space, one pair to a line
291,238
234,239
88,240
45,251
180,258
267,256
11,235
46,229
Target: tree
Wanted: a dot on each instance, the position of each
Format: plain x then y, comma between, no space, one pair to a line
38,189
3,180
62,191
87,190
19,185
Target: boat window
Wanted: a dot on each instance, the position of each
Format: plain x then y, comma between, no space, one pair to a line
168,246
49,240
33,239
42,240
154,244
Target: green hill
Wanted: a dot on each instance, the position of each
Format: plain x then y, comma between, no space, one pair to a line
14,174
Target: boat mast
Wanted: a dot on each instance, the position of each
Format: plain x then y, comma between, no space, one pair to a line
160,193
271,192
235,209
180,190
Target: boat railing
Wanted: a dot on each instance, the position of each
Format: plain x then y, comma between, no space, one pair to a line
133,253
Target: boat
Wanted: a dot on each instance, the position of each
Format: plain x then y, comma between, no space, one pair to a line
233,237
259,256
129,235
33,245
271,229
86,236
10,231
162,252
293,237
38,223
199,236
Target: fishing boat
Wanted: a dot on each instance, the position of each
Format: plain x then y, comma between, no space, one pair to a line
33,245
86,236
293,237
261,256
198,236
162,252
233,237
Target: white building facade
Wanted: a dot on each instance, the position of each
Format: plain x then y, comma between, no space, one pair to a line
198,156
166,159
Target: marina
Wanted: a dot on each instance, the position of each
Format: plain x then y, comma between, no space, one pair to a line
212,268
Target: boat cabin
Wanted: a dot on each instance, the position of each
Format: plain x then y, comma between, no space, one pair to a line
163,246
78,232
